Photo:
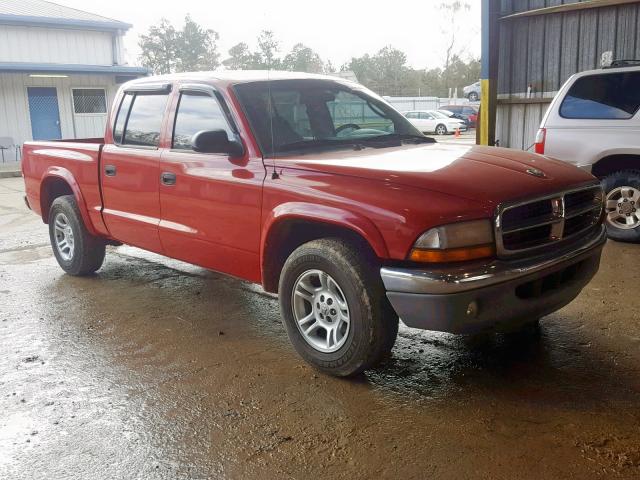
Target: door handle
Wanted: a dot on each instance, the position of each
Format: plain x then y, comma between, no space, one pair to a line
110,170
168,178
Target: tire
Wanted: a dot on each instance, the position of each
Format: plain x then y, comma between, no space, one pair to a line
473,97
353,281
77,252
623,205
441,130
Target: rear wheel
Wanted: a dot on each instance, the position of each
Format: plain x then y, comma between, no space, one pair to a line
77,251
473,97
622,191
335,309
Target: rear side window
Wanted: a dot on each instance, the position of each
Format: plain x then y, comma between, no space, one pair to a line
611,96
121,118
145,119
197,112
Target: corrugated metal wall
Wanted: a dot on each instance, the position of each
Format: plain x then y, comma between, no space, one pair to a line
542,51
55,45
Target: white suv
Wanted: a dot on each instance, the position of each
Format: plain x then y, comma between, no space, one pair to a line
594,123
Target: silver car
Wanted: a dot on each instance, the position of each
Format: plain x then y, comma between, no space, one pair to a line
472,92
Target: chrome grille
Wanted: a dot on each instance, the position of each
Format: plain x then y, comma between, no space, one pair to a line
539,222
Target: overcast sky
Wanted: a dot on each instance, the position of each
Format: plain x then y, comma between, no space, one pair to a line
336,29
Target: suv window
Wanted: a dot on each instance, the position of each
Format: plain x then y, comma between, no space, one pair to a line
145,119
197,112
610,96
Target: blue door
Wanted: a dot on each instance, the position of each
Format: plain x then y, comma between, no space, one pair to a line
45,116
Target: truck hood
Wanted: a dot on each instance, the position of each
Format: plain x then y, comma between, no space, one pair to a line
487,174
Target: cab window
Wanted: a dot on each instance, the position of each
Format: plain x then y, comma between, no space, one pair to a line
197,112
142,127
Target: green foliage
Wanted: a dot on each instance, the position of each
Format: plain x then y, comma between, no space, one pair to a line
302,59
386,73
193,48
167,50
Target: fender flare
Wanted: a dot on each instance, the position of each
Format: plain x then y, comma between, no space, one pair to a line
62,173
334,216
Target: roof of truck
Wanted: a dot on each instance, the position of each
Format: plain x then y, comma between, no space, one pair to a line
235,76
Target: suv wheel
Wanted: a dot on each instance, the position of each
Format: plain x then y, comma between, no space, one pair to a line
623,205
77,251
335,309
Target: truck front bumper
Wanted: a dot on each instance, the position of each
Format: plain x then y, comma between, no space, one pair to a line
494,295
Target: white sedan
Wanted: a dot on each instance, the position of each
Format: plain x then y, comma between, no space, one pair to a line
432,121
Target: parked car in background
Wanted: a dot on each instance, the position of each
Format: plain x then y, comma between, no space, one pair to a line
432,121
323,193
469,112
594,123
472,92
454,115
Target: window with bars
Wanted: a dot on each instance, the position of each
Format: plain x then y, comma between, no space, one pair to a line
89,100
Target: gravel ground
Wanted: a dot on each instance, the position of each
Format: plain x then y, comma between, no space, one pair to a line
154,369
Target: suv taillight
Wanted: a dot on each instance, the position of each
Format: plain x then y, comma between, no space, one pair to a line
541,136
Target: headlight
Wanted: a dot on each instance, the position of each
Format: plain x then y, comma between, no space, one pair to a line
455,242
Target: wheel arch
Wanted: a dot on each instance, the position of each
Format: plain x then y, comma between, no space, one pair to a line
57,182
292,225
611,163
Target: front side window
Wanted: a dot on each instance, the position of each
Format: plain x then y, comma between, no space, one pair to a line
145,120
89,100
197,112
308,114
610,96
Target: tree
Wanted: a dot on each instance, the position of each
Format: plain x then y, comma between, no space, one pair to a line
240,58
159,48
268,48
197,48
451,10
167,50
385,72
303,59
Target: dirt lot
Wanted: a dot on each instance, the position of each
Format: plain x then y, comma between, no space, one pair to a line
157,369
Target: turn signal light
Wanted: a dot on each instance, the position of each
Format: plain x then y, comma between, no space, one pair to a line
451,255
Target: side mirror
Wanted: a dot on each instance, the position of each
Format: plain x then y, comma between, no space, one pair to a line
216,141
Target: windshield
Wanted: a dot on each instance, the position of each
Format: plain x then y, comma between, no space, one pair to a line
311,114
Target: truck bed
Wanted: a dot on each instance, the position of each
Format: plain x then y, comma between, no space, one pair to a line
77,162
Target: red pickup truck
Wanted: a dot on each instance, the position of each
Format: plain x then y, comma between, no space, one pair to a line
317,189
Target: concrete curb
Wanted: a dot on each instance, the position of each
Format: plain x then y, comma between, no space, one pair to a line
10,173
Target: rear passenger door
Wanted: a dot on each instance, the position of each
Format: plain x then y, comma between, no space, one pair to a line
131,168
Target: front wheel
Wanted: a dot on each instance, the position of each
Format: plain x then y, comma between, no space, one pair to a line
473,97
334,307
77,251
441,130
622,191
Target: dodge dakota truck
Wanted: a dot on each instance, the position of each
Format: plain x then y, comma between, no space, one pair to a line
317,189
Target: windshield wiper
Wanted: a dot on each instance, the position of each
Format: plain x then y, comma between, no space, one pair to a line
399,138
319,142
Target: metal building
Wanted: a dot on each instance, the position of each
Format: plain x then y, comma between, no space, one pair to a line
541,43
59,71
